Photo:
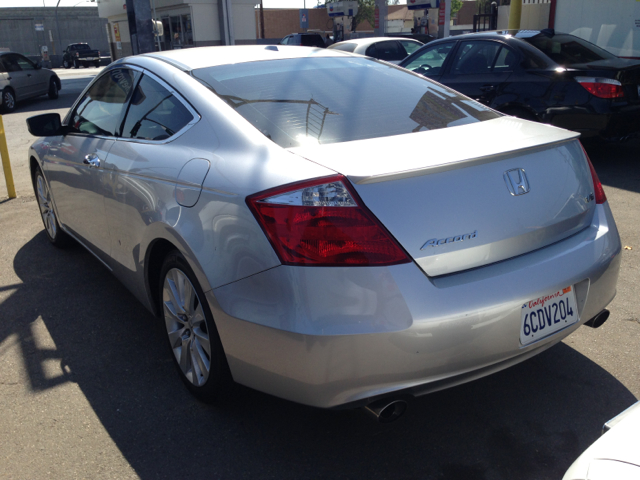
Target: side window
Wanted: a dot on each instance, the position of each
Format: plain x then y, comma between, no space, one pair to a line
3,69
430,61
506,61
410,47
155,113
475,58
10,61
25,63
101,110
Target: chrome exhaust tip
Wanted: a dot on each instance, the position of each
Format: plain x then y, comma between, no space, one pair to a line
598,320
386,411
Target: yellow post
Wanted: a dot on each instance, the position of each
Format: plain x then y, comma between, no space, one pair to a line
515,13
6,165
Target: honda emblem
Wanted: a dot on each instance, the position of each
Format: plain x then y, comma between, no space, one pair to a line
516,181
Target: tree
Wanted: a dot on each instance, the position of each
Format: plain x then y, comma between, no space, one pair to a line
456,5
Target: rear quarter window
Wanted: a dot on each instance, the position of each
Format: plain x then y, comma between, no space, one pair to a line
154,112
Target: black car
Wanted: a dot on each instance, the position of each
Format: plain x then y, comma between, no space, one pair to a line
545,76
80,54
304,39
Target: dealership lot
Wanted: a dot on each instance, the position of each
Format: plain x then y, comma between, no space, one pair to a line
88,389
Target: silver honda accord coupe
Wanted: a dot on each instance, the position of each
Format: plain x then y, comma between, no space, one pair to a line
324,227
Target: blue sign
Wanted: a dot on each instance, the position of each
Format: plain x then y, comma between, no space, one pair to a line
304,18
422,4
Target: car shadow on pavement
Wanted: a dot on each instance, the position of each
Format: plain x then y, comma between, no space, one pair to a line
528,422
617,164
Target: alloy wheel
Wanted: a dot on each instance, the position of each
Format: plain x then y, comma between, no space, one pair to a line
46,209
8,100
186,327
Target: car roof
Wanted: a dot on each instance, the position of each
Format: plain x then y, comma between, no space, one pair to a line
193,58
370,40
501,34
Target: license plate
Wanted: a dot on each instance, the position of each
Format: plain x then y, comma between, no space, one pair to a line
547,314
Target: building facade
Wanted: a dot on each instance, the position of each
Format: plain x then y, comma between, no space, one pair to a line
28,30
186,23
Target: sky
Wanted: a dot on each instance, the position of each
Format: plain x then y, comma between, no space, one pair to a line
85,3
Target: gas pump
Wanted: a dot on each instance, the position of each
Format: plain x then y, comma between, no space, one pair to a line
423,5
339,10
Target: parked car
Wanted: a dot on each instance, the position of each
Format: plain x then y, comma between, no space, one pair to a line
382,48
80,54
20,78
421,37
304,40
326,227
542,75
616,454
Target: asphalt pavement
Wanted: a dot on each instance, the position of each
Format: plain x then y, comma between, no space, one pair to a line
87,389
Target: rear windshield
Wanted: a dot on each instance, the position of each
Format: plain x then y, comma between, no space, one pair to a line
82,47
569,50
344,46
299,101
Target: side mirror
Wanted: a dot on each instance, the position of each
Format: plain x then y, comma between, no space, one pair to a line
38,65
47,124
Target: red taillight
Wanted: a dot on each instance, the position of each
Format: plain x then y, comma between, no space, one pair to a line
597,186
601,87
323,222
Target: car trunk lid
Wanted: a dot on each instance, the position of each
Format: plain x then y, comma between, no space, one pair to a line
452,197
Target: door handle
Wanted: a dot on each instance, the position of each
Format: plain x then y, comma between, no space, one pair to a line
487,88
28,74
92,160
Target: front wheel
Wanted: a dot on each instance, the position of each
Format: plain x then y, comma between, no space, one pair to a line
191,332
51,226
53,89
66,64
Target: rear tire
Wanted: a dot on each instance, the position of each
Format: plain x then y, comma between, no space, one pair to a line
47,211
53,89
96,64
8,100
191,332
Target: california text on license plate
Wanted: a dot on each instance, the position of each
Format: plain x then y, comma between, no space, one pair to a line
548,314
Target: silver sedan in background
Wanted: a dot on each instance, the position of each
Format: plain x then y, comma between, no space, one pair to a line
326,227
20,78
392,50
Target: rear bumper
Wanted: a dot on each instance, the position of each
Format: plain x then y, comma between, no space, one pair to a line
331,337
614,125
